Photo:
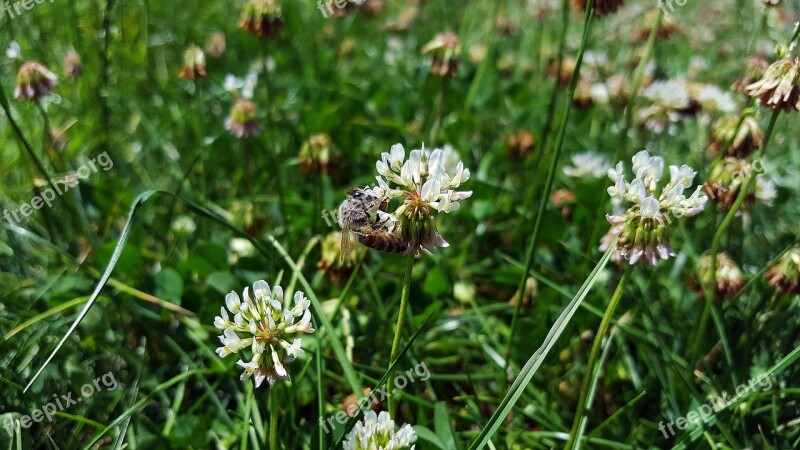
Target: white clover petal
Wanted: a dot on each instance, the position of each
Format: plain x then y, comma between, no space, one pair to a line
233,302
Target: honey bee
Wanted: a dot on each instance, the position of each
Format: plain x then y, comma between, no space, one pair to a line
359,213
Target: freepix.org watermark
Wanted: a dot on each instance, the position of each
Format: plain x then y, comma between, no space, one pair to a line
59,187
379,394
20,6
62,403
703,412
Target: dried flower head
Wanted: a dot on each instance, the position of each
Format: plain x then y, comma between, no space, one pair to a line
445,50
243,120
729,280
269,328
72,64
34,81
784,274
215,44
520,145
643,229
780,86
727,178
428,181
332,263
755,68
318,154
742,143
377,432
262,18
194,63
601,7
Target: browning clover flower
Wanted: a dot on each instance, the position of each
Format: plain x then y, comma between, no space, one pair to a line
332,263
727,177
742,143
729,280
270,329
262,18
194,63
601,7
377,432
72,64
445,50
34,81
780,86
428,180
318,154
643,229
243,121
784,274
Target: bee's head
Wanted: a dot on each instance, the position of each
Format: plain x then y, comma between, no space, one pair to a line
360,193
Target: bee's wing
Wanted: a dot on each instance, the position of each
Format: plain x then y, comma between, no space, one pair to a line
345,238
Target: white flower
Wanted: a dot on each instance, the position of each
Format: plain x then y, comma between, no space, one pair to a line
13,51
587,164
643,229
671,93
377,432
429,181
262,323
714,99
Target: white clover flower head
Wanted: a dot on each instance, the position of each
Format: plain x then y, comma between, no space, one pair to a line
13,51
670,93
271,330
714,99
428,180
377,432
587,164
643,229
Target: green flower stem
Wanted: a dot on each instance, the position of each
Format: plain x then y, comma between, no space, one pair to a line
437,124
593,354
637,81
398,328
550,176
710,288
273,419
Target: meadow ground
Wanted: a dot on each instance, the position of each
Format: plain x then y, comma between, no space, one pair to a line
567,224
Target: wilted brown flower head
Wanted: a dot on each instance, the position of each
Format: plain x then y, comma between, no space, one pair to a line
34,81
601,7
72,64
520,145
784,274
755,68
194,63
243,121
742,143
317,154
729,175
729,280
262,18
445,51
779,88
350,404
668,28
215,44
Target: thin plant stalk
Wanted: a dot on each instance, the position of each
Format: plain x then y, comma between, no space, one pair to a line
593,355
268,134
723,228
273,419
550,176
398,328
437,124
638,76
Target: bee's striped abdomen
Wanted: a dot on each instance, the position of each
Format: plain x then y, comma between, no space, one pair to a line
382,241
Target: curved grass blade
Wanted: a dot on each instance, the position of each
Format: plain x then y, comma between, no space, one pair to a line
527,372
338,348
123,238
